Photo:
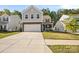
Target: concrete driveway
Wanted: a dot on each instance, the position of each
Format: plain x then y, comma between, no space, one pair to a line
25,42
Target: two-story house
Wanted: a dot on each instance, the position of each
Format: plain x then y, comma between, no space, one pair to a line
9,22
34,20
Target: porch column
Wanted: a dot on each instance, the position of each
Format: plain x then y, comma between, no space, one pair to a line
21,27
42,27
45,27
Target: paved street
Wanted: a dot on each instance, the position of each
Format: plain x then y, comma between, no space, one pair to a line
25,42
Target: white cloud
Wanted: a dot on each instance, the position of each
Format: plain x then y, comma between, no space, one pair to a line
70,6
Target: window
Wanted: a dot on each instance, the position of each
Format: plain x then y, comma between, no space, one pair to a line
4,27
26,16
32,16
37,15
47,26
16,28
5,19
47,20
1,27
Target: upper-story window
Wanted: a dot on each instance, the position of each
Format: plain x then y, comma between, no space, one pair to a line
32,16
5,19
37,15
47,20
26,16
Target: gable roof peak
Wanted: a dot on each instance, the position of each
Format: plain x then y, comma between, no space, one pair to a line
31,7
5,14
63,17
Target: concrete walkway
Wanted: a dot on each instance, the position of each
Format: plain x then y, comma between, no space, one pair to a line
25,42
61,42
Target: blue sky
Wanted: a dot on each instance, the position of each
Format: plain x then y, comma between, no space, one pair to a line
21,7
51,7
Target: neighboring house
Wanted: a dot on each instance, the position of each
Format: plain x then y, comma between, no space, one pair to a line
60,26
9,22
34,20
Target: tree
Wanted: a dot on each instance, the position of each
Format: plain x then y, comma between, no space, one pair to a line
7,11
15,12
1,13
54,16
46,11
60,13
71,24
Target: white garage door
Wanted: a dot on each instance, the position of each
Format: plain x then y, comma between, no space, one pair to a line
32,27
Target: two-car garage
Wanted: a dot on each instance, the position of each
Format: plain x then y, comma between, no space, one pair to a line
32,27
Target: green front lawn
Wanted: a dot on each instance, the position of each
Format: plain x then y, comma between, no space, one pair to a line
59,36
64,48
5,34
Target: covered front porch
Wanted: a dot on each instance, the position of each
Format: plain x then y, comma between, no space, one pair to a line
47,26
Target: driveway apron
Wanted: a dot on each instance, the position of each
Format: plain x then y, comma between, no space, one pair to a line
25,42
